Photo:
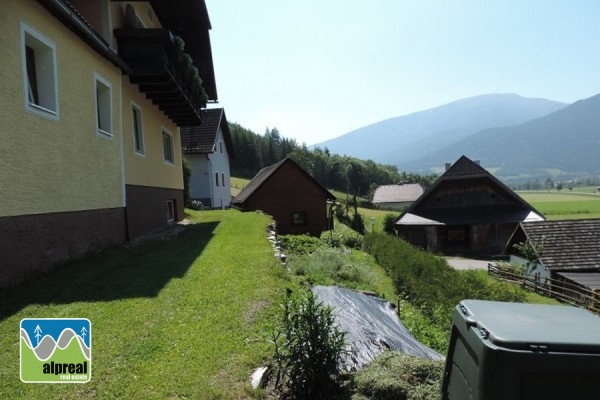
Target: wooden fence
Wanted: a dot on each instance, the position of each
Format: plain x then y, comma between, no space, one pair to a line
561,290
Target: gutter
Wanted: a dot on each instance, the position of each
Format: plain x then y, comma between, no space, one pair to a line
77,24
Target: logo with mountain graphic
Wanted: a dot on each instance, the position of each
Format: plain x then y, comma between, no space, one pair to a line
56,350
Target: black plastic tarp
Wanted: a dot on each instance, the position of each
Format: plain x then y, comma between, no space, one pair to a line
372,326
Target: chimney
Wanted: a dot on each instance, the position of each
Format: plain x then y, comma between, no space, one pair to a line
448,165
478,162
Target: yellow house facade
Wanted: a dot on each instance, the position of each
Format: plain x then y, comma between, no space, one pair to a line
90,154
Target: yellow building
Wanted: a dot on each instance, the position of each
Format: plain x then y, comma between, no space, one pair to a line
93,95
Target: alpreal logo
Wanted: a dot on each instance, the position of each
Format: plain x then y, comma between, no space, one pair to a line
56,350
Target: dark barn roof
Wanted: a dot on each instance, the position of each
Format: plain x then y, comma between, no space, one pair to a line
589,280
568,245
465,203
202,139
264,174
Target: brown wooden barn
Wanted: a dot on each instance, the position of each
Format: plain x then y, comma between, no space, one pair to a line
466,211
295,200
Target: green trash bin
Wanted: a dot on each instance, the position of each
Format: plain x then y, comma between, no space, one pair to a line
514,351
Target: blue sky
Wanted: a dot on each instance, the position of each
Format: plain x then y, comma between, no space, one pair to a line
319,69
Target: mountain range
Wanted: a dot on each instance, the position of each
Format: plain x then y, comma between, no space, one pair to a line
563,144
516,137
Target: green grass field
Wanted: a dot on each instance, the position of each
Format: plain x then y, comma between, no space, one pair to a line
184,318
237,184
565,204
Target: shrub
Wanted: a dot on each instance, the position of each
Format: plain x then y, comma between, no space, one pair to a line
428,282
187,174
308,348
389,223
299,244
358,223
347,238
332,238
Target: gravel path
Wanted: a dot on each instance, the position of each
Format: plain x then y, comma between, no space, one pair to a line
460,263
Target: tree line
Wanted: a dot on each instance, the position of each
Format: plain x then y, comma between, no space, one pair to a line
343,173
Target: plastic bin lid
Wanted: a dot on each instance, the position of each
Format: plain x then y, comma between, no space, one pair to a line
538,327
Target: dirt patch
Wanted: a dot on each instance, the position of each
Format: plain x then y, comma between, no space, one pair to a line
253,309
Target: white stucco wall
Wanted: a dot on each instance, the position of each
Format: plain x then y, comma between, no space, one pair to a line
531,272
203,182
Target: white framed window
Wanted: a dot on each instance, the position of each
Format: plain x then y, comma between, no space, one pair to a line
138,129
103,90
223,179
221,147
168,154
217,179
40,83
170,211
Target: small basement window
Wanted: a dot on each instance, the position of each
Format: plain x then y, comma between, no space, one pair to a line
299,218
170,211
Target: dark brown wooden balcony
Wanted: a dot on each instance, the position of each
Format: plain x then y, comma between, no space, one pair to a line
160,73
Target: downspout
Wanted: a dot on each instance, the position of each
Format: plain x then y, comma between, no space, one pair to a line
123,180
211,181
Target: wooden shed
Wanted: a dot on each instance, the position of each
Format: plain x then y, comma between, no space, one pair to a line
569,250
295,200
466,211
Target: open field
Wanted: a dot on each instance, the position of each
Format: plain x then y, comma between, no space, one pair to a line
237,184
379,218
182,318
564,205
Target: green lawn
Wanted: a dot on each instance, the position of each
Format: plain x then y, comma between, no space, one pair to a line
183,318
564,204
379,218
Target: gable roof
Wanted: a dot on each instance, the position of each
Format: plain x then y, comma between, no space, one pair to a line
264,174
403,192
202,139
465,170
568,245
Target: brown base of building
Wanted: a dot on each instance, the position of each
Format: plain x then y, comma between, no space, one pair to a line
147,208
31,245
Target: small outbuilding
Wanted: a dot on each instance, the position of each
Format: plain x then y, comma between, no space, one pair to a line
295,200
397,197
568,250
466,211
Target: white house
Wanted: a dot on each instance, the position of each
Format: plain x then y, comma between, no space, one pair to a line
397,197
208,148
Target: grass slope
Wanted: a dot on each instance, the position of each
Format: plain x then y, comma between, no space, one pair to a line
184,318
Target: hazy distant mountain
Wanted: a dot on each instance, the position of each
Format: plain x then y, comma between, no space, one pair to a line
410,137
566,142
